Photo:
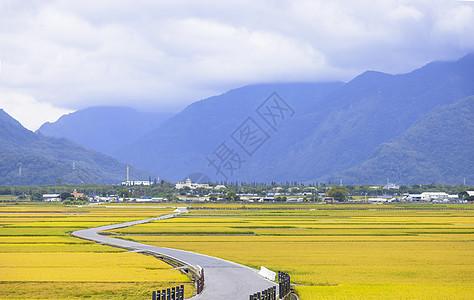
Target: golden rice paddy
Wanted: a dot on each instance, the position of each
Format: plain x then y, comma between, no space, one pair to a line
335,254
330,252
40,260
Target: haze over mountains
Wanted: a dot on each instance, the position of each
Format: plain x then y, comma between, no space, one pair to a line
104,129
335,126
411,128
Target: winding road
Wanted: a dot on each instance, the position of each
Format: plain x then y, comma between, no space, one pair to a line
223,279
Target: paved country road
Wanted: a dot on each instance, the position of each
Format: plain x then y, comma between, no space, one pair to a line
223,279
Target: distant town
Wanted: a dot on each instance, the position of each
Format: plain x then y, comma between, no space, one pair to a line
189,191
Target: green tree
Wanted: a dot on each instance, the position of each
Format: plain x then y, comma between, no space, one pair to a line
123,193
231,196
171,197
65,195
339,193
184,190
464,195
36,196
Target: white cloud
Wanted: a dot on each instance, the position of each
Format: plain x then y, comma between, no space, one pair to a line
455,25
162,55
30,112
404,12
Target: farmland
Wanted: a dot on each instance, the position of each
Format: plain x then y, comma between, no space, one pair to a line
38,258
331,252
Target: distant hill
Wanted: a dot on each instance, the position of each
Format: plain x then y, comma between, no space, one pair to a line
28,158
335,126
375,108
180,145
104,129
438,148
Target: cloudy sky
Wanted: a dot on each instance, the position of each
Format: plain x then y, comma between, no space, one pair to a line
61,56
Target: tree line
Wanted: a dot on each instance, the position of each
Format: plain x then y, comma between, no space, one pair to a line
232,191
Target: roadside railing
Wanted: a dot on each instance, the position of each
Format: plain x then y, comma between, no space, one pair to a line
174,293
177,293
268,294
284,287
200,282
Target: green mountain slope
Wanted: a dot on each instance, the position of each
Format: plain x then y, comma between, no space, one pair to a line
181,144
28,158
438,148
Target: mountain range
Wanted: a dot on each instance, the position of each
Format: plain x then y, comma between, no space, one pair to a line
335,127
438,146
28,158
117,126
411,128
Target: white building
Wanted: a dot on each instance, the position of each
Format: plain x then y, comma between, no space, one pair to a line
136,182
428,196
380,200
413,197
391,186
293,199
51,198
150,199
188,183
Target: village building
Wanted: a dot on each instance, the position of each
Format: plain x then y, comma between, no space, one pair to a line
51,198
77,195
137,182
428,196
188,183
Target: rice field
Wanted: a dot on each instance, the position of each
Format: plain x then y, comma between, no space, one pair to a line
40,260
331,252
335,253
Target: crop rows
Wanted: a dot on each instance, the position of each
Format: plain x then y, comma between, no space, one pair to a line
339,254
39,259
